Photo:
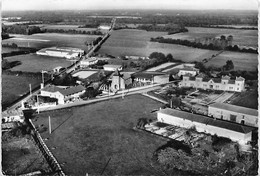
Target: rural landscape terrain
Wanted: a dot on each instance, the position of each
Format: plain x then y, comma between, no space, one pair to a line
91,92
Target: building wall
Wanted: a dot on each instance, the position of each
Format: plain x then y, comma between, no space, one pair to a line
118,83
57,95
112,68
226,115
198,83
200,127
161,79
184,72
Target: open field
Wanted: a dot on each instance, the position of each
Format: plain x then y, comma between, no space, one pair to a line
13,86
51,39
37,63
89,137
137,42
242,61
240,37
21,156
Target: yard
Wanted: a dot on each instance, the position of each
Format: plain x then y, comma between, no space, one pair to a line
137,43
21,156
15,86
240,37
37,63
100,137
242,61
44,40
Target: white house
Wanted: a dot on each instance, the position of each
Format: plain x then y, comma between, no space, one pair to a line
62,95
233,131
88,62
234,113
188,71
224,83
111,67
150,77
104,27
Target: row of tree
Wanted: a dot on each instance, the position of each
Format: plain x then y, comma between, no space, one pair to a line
210,46
21,29
170,28
74,31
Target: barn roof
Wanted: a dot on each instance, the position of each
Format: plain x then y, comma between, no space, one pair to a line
207,120
65,92
234,108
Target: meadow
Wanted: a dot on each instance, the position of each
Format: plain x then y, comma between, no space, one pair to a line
137,43
36,63
14,86
240,37
44,40
90,137
241,61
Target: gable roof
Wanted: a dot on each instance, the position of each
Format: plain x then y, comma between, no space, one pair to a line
207,120
235,108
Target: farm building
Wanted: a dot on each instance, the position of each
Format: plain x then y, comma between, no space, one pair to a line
234,113
224,83
62,94
66,52
104,27
233,131
188,70
110,67
89,61
150,77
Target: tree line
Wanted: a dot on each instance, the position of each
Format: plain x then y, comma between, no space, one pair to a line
222,44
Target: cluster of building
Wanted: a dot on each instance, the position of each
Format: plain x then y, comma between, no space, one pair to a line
66,52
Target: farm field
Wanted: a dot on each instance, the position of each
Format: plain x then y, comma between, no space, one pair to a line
242,61
51,39
102,133
22,156
14,86
137,42
37,63
240,37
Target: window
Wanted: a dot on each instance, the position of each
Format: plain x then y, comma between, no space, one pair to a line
233,118
230,88
238,84
237,88
242,122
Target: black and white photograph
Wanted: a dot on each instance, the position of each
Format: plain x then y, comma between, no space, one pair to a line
129,87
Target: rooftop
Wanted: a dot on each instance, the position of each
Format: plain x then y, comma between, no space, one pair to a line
65,92
147,74
207,120
112,66
235,108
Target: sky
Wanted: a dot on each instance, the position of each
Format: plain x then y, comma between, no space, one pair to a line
128,4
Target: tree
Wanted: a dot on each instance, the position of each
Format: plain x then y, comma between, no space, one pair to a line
175,102
229,65
169,58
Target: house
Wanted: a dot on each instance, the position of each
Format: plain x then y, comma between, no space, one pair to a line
87,62
62,94
188,70
104,27
233,131
234,113
66,52
12,116
150,77
110,67
224,83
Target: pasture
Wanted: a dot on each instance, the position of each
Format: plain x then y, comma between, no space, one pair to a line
241,61
37,63
137,42
14,86
89,137
45,40
240,37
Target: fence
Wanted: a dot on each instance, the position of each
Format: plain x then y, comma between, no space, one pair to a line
55,166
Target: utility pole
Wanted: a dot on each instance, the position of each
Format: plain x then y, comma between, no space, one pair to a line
30,86
50,124
38,104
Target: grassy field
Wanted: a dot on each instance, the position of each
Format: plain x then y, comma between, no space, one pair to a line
87,137
137,42
36,63
51,39
21,156
13,86
242,61
240,37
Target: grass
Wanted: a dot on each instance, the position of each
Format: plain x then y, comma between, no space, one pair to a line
21,156
137,42
36,63
51,39
14,86
242,61
240,37
87,137
8,50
